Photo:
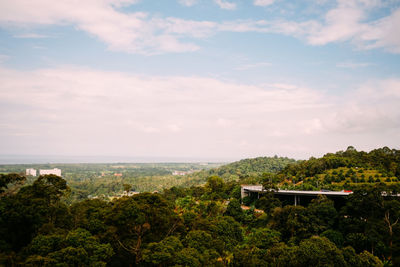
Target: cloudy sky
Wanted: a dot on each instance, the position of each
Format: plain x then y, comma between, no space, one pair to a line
198,78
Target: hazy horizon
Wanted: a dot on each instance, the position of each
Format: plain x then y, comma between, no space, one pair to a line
68,159
54,159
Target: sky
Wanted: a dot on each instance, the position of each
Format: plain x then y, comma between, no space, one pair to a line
209,79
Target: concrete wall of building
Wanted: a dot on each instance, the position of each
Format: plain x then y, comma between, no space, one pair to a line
54,171
31,172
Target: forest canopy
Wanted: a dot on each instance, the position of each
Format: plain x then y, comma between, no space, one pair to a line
207,224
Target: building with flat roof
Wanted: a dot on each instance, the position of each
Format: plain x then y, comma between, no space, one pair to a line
296,195
54,171
30,172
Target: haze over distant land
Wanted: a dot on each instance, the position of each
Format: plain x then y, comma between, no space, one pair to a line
43,159
197,79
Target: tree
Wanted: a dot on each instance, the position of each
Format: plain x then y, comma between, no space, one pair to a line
335,237
51,187
369,217
263,238
249,256
162,253
318,251
391,218
129,226
188,257
204,244
78,248
42,245
227,232
174,193
236,192
135,221
90,215
322,214
14,180
292,222
215,187
127,187
234,210
367,259
269,180
268,202
281,255
32,208
350,257
199,240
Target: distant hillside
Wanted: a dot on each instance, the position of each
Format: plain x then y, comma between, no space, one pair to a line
253,167
246,170
344,169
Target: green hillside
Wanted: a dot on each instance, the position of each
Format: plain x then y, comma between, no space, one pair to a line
253,167
245,170
343,170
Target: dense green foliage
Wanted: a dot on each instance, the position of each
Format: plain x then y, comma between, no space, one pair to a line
385,160
344,169
107,180
196,226
103,180
251,168
201,225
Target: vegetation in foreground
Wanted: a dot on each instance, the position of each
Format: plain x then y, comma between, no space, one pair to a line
203,225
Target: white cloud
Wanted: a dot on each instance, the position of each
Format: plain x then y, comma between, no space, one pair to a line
383,33
263,2
3,58
133,32
188,2
225,4
196,29
90,111
370,108
254,65
75,110
148,129
341,23
174,128
40,47
348,22
144,33
353,65
30,36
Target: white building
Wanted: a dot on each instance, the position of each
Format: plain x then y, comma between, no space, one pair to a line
31,172
54,171
182,172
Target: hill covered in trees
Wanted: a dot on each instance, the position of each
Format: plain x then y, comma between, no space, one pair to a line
252,167
342,170
245,170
